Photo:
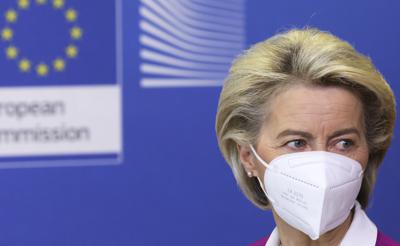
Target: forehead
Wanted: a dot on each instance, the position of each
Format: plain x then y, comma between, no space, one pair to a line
313,107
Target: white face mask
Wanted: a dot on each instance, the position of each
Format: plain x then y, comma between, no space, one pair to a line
312,191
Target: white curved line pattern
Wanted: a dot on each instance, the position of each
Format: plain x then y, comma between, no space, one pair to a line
187,43
168,60
218,4
184,36
158,45
190,18
188,25
154,31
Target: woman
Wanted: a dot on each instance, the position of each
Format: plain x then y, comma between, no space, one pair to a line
304,122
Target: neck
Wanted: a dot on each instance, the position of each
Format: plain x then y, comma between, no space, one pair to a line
290,236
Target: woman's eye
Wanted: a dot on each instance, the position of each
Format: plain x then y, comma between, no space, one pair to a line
344,144
296,144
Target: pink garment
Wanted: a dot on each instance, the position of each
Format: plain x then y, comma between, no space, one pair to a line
381,240
260,242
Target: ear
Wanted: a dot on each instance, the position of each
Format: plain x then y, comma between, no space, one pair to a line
247,160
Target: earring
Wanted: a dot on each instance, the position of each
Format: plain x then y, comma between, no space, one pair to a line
250,174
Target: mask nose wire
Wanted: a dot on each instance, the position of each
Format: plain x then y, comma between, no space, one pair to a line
266,165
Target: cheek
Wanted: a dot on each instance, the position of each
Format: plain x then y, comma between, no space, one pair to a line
364,161
362,156
261,170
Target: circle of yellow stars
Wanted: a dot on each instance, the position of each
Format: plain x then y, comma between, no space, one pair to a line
26,65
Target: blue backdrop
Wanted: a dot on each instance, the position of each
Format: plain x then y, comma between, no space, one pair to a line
173,187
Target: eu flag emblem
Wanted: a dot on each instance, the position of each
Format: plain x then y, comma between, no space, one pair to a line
57,42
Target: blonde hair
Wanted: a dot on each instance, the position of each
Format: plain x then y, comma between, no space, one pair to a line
308,56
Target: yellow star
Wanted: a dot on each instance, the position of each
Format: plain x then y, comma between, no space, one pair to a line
59,64
58,4
71,51
11,52
71,15
42,69
41,2
7,34
11,16
24,65
23,4
76,33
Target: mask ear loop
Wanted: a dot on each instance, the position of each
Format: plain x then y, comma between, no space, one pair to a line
264,164
258,157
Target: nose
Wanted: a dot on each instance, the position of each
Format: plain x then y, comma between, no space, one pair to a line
320,146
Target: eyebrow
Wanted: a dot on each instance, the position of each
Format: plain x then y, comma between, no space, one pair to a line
344,132
289,132
308,135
